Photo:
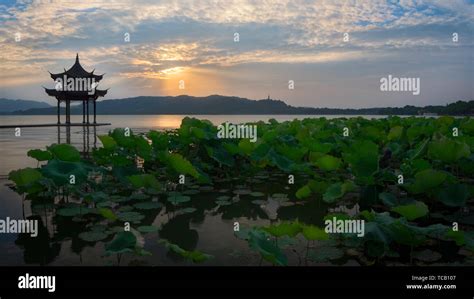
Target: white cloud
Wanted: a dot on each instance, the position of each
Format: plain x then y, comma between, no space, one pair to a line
309,32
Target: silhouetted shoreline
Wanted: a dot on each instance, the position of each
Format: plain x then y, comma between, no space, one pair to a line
216,104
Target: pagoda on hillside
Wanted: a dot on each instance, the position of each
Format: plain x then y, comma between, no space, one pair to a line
76,84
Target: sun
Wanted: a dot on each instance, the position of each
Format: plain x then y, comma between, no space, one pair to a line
172,71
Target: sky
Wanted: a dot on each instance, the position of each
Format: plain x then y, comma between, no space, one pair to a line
334,52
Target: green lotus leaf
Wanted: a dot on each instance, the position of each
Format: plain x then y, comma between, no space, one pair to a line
321,147
419,150
125,209
207,188
260,152
364,160
231,148
258,241
160,140
98,228
419,131
96,197
73,211
243,233
40,155
142,147
92,236
121,243
130,217
468,237
280,161
314,156
403,234
454,195
148,205
181,165
178,199
220,155
60,171
290,229
412,211
420,164
369,216
118,198
65,152
197,256
435,231
144,181
371,133
311,232
139,196
185,211
194,256
426,180
291,152
191,192
246,147
223,202
376,232
457,236
395,133
25,177
108,214
242,191
333,192
444,120
448,150
318,187
328,163
388,199
123,139
107,141
468,126
303,192
148,229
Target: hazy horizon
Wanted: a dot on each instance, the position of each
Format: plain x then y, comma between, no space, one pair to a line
278,41
185,95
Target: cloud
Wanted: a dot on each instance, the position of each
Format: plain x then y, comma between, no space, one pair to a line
172,37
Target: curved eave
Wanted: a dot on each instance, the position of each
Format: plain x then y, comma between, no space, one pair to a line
51,92
68,74
101,92
74,95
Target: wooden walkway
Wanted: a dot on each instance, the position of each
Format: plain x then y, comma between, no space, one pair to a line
54,125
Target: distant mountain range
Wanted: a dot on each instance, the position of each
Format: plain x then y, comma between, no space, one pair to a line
216,104
7,106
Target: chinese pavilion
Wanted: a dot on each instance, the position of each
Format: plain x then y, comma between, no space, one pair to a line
66,90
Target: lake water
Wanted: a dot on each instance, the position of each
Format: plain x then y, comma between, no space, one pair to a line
13,149
209,229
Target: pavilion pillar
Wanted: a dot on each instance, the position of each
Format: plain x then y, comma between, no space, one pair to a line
83,112
95,114
59,114
87,109
68,112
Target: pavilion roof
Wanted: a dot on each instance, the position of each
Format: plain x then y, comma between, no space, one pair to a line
77,71
75,95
